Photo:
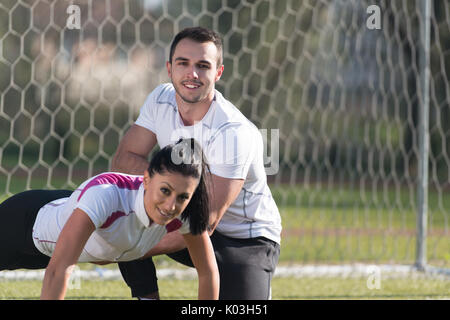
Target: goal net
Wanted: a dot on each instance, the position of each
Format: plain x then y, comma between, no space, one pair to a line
338,83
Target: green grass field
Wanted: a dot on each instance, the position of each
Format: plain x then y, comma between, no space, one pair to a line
323,226
348,225
343,225
282,288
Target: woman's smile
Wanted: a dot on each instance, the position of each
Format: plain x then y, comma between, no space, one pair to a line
164,214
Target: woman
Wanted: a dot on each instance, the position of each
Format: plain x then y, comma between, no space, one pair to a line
112,217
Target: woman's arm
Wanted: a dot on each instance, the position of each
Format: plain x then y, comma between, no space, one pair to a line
69,246
204,259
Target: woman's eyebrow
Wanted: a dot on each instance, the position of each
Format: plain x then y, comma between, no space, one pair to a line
168,184
181,194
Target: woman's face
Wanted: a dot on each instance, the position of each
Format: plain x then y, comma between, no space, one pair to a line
167,195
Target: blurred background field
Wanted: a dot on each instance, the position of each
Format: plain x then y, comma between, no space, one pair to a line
282,288
345,99
330,226
308,241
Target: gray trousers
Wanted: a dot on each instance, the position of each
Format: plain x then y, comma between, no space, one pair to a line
246,268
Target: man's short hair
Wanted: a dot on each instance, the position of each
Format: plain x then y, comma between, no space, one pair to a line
201,35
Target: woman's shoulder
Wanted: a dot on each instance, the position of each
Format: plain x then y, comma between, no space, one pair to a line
111,181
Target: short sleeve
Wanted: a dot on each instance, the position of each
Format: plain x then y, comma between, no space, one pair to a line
184,227
179,225
98,202
147,113
232,150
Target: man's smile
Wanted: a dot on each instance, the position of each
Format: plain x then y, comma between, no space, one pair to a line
191,85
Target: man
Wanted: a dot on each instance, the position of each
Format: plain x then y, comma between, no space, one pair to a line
245,224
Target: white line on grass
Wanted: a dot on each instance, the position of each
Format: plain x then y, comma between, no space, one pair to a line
295,271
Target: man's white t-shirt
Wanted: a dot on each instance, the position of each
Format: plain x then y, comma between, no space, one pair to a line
234,149
115,204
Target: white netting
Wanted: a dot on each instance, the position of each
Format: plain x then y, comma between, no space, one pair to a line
344,98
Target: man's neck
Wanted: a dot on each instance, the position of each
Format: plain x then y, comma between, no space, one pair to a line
191,113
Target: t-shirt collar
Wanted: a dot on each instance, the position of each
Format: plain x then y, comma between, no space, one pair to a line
140,209
207,118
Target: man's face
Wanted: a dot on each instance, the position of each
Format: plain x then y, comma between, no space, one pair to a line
194,70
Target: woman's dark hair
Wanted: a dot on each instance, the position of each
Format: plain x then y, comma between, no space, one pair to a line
201,35
186,157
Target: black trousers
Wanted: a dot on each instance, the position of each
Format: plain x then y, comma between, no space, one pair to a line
246,268
17,216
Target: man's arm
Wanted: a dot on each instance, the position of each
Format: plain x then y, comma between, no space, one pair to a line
133,150
224,192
